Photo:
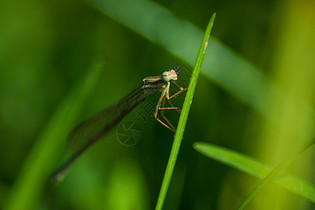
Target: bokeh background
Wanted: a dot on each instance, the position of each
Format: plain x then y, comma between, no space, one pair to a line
255,95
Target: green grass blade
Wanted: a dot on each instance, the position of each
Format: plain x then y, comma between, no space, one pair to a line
40,162
249,165
276,171
183,118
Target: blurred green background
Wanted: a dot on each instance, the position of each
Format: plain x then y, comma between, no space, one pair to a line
255,95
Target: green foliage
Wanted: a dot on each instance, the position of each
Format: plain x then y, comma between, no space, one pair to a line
254,94
249,165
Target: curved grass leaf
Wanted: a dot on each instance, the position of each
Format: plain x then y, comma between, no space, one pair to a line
249,165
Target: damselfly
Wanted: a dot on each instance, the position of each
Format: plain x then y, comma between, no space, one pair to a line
93,129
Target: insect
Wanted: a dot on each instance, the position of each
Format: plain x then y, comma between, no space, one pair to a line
94,128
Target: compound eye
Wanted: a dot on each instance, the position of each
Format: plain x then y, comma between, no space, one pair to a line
176,69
